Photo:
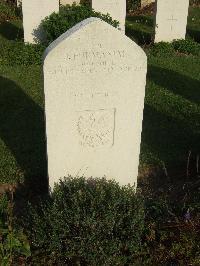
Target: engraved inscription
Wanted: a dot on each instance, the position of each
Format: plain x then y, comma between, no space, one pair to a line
94,61
91,95
96,128
172,19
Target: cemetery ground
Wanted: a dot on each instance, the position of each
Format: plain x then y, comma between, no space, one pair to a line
169,161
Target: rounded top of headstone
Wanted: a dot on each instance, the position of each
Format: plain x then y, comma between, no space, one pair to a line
98,26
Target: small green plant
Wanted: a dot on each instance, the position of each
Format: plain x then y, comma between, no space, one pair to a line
92,221
187,46
13,242
68,16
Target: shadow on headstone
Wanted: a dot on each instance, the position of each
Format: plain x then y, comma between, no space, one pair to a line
39,35
10,31
23,132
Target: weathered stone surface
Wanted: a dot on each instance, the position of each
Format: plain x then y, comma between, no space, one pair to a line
34,11
171,20
94,83
116,8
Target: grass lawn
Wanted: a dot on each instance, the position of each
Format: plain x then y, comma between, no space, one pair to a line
22,137
171,125
172,110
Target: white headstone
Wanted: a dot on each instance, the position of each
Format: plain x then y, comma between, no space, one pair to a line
116,9
94,84
171,20
69,2
146,2
34,11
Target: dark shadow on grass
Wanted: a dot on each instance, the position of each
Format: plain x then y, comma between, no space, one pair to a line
175,82
169,138
10,31
139,36
22,129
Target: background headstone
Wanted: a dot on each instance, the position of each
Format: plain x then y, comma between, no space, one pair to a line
34,11
94,83
116,9
171,20
69,2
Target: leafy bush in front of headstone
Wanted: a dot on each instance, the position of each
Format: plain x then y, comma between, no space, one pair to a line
92,221
85,2
13,242
18,53
187,46
68,16
161,48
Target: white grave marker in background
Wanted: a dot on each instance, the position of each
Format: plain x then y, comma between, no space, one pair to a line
94,83
171,20
116,9
34,11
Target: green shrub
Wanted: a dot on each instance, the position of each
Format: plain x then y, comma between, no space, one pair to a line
187,46
194,2
93,221
13,242
68,16
85,2
161,48
7,11
132,5
18,53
